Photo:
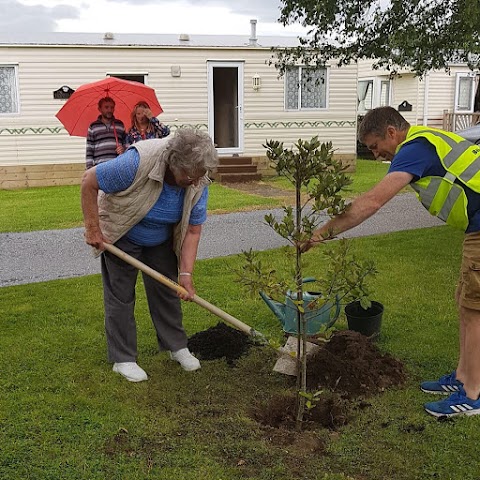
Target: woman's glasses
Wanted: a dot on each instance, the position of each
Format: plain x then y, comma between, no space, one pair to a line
194,178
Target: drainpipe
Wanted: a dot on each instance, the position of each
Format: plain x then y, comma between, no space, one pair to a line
425,100
253,33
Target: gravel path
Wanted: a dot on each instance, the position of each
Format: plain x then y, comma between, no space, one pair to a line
47,255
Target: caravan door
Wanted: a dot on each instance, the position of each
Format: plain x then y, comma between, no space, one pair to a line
225,106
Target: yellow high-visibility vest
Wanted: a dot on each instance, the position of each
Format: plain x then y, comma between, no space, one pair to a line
441,196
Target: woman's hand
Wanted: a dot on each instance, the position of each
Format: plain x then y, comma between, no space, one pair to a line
186,281
187,262
148,113
94,237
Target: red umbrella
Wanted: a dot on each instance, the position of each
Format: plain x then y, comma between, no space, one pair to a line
81,109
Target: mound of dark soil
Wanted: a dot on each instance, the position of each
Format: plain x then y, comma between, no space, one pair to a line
220,341
352,365
346,368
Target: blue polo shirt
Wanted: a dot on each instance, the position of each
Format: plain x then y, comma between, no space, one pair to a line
419,158
157,225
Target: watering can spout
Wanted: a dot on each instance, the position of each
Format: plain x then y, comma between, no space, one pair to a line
276,307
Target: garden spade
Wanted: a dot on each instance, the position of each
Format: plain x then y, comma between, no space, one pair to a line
286,364
179,289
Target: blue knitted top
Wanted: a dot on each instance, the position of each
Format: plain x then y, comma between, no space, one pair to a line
157,225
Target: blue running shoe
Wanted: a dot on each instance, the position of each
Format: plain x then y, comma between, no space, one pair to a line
445,385
456,404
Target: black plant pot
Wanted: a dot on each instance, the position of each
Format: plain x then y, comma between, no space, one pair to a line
365,321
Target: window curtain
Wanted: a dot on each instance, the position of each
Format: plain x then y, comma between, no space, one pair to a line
313,88
291,88
385,93
465,88
362,89
8,91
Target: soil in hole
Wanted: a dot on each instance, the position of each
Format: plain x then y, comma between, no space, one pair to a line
346,369
220,341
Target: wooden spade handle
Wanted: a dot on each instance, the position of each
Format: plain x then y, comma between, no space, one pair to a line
179,289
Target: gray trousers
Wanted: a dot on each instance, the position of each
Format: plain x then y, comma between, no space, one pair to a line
119,279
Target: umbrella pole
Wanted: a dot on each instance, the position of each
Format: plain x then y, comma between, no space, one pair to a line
115,131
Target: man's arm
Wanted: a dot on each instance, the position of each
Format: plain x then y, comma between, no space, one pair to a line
362,207
89,150
188,257
120,136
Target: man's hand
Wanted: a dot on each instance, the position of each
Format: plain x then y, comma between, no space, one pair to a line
306,246
120,149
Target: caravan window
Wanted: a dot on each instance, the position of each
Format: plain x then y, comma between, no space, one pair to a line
8,89
372,93
305,88
132,77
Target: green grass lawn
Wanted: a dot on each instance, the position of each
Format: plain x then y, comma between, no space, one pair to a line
65,415
54,208
367,174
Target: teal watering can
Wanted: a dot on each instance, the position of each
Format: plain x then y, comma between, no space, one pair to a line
316,318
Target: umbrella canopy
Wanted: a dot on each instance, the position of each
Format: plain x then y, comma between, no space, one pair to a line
81,109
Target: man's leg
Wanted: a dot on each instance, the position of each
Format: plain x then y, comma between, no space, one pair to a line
461,368
466,399
468,301
470,352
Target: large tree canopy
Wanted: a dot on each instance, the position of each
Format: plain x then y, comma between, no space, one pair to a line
420,34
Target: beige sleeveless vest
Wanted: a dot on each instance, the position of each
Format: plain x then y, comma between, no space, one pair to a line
120,211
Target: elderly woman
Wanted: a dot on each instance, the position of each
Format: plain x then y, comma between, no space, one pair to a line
144,125
152,202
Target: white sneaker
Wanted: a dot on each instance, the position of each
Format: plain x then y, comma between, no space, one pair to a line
185,359
131,371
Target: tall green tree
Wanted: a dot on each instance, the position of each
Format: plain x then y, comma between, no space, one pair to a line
419,34
310,167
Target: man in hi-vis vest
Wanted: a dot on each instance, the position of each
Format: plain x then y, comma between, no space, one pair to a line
444,170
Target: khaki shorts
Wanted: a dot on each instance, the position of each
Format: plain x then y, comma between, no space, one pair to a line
468,290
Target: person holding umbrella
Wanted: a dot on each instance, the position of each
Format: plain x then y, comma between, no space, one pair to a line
105,136
152,202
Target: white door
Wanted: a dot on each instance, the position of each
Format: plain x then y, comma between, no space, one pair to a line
225,106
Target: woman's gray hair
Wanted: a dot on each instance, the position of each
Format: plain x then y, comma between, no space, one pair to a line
377,120
192,150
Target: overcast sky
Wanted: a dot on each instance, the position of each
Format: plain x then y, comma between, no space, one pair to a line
143,16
